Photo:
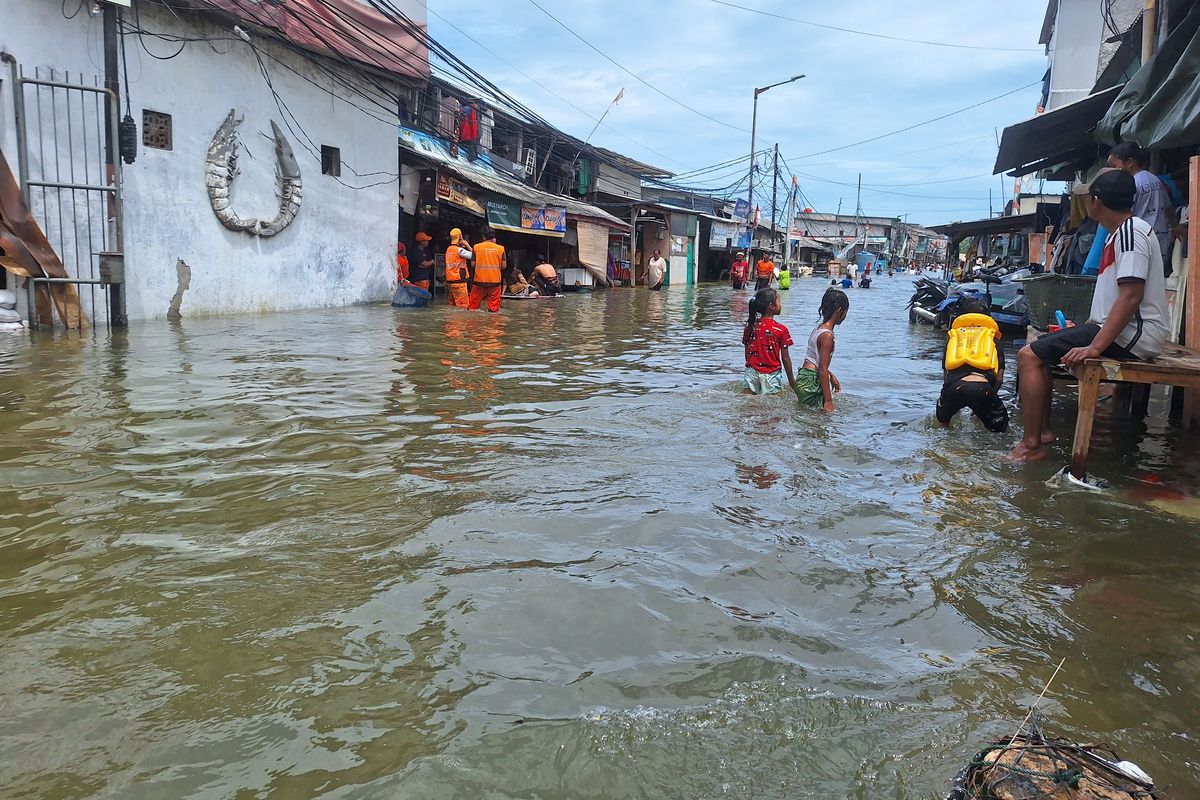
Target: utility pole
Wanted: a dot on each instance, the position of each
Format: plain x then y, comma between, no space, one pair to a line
753,132
774,193
112,82
989,203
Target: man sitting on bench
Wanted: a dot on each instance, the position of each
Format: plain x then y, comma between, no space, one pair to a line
1129,313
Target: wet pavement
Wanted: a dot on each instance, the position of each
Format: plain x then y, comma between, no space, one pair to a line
376,553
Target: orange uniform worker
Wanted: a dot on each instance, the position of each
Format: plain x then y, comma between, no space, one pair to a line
457,274
764,271
401,263
489,273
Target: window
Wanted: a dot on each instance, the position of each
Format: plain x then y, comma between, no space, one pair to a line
331,161
156,129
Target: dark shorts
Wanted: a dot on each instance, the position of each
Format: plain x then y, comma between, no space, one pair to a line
1053,346
762,283
980,397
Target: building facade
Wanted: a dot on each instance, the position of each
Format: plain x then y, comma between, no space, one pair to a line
326,234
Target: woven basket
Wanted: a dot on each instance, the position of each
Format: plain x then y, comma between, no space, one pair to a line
1070,294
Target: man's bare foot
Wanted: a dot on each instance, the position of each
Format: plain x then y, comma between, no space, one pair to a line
1023,454
1048,437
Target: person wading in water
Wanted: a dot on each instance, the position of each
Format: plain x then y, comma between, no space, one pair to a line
458,255
489,273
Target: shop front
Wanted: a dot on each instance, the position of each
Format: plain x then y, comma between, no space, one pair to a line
534,226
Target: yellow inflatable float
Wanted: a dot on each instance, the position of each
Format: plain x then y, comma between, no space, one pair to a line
972,343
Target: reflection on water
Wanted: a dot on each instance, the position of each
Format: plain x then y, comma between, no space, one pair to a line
555,553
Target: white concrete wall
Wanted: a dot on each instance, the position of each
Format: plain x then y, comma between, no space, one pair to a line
1074,51
340,248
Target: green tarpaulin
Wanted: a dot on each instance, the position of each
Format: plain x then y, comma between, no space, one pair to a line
1160,106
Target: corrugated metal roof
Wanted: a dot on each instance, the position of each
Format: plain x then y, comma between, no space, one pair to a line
483,176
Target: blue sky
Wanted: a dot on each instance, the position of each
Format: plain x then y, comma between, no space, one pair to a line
710,56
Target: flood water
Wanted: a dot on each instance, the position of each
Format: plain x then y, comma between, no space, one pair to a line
375,553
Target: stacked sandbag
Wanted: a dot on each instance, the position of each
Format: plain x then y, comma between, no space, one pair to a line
10,318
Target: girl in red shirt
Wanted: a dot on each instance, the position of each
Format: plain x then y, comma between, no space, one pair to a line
767,344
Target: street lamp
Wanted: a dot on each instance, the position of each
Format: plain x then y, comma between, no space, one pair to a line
753,130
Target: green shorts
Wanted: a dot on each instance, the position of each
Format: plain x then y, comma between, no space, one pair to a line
808,389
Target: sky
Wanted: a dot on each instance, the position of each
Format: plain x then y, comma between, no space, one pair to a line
708,56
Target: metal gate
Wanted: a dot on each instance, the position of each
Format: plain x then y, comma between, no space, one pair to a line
70,176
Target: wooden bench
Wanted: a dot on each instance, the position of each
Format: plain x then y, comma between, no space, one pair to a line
1177,366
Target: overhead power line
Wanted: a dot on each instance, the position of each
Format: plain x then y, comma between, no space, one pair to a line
921,124
877,35
542,85
633,74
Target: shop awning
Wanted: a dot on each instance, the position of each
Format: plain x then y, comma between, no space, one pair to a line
480,173
1160,106
1055,136
960,230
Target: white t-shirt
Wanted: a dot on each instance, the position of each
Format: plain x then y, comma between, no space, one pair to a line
656,270
1132,251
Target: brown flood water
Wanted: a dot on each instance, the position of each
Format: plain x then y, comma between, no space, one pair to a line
370,553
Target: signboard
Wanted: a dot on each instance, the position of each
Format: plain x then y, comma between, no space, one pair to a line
724,234
544,219
508,216
741,209
743,240
458,193
611,180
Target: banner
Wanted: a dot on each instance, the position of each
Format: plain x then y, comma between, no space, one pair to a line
741,209
743,240
458,193
544,219
508,216
723,234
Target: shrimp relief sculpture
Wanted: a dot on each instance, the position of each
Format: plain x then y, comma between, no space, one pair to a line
220,169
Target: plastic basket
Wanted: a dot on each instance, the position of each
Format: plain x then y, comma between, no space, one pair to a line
409,296
1070,294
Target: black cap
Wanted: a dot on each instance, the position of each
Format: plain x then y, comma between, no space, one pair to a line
1115,189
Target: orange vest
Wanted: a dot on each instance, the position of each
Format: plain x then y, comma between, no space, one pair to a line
489,257
456,266
765,268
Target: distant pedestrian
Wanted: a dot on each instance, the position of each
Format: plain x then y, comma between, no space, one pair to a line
865,281
656,270
847,282
764,272
767,343
739,272
420,272
488,284
458,257
815,383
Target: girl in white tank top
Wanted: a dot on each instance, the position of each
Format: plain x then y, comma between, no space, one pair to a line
815,383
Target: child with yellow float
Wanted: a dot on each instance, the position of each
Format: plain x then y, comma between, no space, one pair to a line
974,369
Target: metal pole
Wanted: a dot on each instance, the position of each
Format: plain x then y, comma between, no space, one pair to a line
750,194
116,295
774,193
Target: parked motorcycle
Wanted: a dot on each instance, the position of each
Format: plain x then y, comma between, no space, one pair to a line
939,303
